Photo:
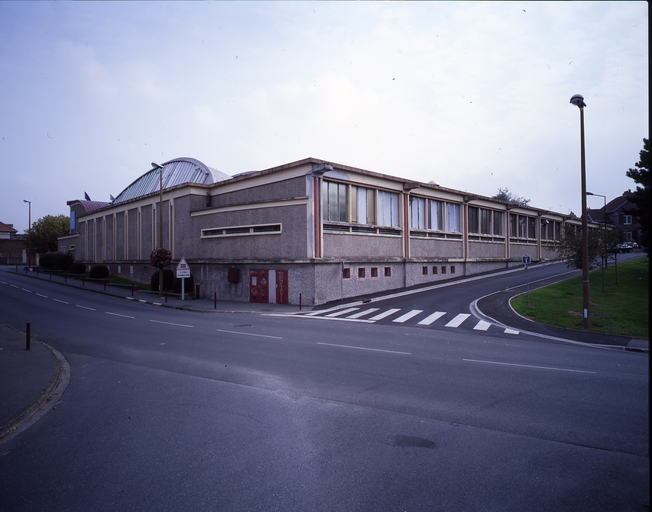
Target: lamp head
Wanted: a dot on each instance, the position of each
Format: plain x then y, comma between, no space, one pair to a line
578,101
156,166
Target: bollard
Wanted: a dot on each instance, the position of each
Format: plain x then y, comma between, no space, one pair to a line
197,296
65,278
36,271
166,295
105,285
132,289
29,335
83,281
299,302
50,274
215,301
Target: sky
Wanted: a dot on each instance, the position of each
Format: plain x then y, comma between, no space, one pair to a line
472,96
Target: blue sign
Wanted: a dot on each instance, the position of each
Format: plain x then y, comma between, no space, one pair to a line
526,260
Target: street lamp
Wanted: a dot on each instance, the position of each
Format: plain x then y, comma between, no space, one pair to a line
578,101
29,232
160,222
604,231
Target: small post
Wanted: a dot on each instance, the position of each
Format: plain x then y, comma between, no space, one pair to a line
215,301
197,294
132,289
65,277
300,302
166,295
104,284
50,274
183,288
83,281
36,271
29,336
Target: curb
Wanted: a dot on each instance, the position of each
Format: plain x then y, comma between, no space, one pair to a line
31,413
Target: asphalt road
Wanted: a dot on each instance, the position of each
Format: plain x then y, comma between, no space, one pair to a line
174,410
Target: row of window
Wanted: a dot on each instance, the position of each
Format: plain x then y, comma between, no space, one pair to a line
361,205
362,272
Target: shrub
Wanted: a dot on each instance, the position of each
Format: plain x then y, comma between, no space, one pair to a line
99,272
168,280
77,268
56,261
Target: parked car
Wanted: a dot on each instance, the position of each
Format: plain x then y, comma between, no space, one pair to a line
624,247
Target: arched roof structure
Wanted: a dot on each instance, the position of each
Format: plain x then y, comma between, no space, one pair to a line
175,172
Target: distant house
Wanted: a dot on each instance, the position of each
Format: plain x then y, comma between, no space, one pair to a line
619,213
309,231
12,245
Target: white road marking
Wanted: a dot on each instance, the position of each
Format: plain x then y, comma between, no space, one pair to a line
3,282
432,318
62,301
41,295
363,313
384,314
364,348
250,334
342,312
118,314
403,318
457,321
528,366
170,323
26,290
84,307
482,326
14,286
511,331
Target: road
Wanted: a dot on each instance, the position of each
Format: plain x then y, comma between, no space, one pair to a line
175,410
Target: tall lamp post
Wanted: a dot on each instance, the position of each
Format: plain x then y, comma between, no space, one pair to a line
578,101
29,233
604,231
160,222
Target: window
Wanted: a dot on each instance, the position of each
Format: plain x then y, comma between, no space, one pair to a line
452,269
346,273
73,220
374,271
532,227
417,213
363,205
436,215
627,219
334,203
485,221
388,271
388,209
522,227
512,225
443,270
434,270
453,218
361,272
499,223
473,220
424,271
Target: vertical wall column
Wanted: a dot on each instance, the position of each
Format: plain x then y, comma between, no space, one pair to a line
317,172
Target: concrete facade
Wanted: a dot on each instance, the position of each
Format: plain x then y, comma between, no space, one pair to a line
312,232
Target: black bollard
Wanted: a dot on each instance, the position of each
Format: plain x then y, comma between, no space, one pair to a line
29,336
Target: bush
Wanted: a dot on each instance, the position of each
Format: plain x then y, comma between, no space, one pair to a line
99,272
77,268
56,261
168,280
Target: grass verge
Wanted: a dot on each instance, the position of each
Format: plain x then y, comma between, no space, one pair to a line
620,310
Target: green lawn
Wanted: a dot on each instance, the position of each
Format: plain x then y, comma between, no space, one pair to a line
621,309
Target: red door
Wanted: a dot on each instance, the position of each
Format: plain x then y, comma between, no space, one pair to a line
258,286
281,286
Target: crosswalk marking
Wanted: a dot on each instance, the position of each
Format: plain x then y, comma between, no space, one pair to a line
360,314
482,326
457,321
403,318
431,318
384,314
342,312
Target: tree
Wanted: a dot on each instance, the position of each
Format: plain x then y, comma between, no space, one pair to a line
641,175
46,230
505,195
570,246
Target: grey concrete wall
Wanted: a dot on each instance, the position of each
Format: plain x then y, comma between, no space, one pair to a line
436,248
489,250
132,234
286,189
146,231
120,236
339,245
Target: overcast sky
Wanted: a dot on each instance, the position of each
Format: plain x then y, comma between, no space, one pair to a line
473,96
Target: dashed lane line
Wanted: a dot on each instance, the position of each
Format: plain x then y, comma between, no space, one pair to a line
170,323
365,348
118,314
528,366
85,307
61,301
250,334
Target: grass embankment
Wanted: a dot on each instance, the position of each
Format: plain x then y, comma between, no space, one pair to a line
621,310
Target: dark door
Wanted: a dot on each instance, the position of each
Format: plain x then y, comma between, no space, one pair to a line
258,286
281,286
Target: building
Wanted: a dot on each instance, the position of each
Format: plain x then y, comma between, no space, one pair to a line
13,246
619,213
309,231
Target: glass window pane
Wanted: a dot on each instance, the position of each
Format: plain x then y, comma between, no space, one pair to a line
453,218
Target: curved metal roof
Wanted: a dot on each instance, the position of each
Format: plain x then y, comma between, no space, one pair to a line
175,172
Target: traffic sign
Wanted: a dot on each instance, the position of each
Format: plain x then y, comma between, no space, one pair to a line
183,270
526,260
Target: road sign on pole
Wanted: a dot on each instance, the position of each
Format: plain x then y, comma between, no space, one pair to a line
183,272
526,262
